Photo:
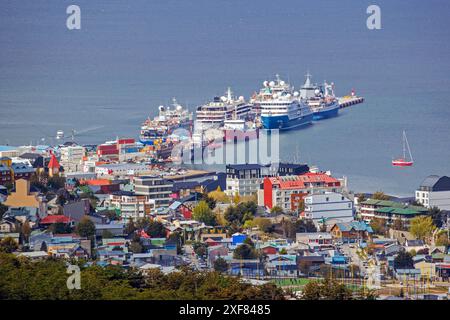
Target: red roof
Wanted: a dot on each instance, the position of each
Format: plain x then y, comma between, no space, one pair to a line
56,218
53,164
300,181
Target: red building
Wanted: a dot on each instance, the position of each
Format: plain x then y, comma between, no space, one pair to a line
288,191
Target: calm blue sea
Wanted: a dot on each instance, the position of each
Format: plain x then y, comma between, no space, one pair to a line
131,56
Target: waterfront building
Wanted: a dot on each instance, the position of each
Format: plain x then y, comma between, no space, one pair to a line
390,211
434,192
328,206
245,179
156,188
288,192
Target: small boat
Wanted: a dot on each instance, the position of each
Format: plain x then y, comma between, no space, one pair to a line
403,161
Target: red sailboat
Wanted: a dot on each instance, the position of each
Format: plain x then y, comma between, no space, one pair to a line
403,161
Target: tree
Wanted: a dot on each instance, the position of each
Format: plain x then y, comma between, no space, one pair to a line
106,234
237,215
8,245
200,248
244,251
236,198
442,239
136,247
380,195
130,226
60,228
26,230
3,210
155,229
86,228
398,224
276,210
220,265
43,246
361,197
203,213
421,227
209,200
327,289
263,224
378,226
403,260
437,216
219,196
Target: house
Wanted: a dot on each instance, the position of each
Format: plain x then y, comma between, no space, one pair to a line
279,265
53,166
415,245
247,268
351,231
34,255
14,235
8,225
214,252
238,238
116,229
407,275
328,206
76,210
269,249
22,197
310,263
434,191
56,218
315,240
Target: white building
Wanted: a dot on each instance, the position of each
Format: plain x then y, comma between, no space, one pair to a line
328,206
434,192
123,170
156,188
72,158
130,205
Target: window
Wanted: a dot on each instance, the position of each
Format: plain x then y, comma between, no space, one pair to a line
327,199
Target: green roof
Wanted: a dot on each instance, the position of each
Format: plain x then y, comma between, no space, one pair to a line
401,211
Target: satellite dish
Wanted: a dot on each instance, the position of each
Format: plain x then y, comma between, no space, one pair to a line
241,98
282,83
296,93
223,98
317,92
265,83
271,83
161,108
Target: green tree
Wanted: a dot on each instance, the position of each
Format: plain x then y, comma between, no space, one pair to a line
276,210
244,251
155,229
327,289
130,226
442,239
106,234
220,265
86,228
398,224
203,213
59,228
136,247
421,227
437,216
403,260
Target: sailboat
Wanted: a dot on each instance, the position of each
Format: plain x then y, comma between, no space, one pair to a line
403,161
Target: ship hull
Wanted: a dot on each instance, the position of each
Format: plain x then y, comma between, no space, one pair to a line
284,123
326,113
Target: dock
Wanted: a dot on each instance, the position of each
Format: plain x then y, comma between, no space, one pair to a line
348,101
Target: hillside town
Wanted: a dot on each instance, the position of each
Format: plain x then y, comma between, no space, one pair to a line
290,225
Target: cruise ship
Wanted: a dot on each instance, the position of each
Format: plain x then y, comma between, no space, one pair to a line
321,99
214,113
165,123
280,107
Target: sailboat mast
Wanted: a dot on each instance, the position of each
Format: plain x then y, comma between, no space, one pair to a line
407,145
404,146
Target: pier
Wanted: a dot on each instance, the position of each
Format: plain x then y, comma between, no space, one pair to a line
348,101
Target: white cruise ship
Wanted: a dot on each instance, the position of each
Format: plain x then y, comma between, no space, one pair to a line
280,107
214,113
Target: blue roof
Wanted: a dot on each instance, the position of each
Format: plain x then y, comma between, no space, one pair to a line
7,148
356,225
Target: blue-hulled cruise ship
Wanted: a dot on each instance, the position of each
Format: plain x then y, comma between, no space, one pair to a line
280,107
321,99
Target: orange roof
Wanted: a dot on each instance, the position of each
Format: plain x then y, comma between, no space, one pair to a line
53,164
97,182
